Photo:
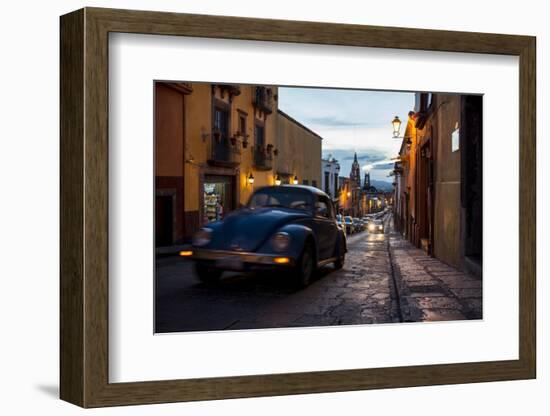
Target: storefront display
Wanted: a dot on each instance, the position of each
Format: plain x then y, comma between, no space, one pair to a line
218,197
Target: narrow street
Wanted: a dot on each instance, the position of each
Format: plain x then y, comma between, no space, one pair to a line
385,279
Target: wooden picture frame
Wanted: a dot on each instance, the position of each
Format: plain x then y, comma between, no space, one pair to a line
84,207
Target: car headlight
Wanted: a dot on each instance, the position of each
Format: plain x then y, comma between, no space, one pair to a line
379,227
280,241
371,227
202,237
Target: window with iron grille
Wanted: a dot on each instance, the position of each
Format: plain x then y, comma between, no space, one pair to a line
259,135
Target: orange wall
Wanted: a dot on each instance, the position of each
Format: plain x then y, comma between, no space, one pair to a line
169,125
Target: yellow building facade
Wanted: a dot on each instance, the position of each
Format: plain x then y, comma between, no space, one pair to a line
298,152
214,145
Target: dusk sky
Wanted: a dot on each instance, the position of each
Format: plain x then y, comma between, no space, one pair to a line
351,121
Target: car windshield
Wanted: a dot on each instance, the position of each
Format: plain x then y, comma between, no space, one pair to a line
283,197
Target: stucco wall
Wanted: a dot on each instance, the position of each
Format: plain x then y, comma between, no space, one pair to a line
447,213
299,151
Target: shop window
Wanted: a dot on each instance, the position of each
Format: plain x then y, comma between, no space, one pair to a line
219,197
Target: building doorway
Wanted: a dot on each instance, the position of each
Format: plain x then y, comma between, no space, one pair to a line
219,197
164,220
425,198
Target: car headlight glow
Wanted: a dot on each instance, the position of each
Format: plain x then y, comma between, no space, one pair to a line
202,237
280,241
371,227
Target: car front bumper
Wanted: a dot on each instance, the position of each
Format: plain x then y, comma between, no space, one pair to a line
239,260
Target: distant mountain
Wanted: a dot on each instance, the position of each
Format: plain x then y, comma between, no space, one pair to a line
381,185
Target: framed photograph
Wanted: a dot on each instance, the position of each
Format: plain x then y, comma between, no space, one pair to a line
255,207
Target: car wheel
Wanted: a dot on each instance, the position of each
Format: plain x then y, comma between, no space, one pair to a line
305,267
207,274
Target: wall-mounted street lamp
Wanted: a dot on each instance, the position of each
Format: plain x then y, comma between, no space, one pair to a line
396,123
277,180
250,179
295,180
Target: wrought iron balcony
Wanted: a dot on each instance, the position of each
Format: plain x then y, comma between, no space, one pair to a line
263,99
231,89
223,151
263,158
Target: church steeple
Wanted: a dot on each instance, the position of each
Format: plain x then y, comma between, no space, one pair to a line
366,183
355,174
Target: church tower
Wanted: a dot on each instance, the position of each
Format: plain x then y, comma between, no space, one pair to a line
366,183
355,174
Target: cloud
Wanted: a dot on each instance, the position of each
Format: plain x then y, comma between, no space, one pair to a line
337,122
365,156
383,166
351,121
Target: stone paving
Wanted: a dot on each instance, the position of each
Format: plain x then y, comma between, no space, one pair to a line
384,280
360,293
430,290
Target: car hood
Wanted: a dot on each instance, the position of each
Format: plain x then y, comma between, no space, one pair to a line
247,229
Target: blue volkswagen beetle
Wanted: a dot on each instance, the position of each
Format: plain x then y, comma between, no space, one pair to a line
291,228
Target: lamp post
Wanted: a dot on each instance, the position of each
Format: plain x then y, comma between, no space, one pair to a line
277,180
250,179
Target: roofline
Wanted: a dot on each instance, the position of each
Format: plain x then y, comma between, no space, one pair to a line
281,112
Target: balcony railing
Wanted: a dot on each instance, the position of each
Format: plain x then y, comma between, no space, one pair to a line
231,89
263,158
263,99
224,152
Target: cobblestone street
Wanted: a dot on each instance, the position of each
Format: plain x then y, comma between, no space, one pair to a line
385,279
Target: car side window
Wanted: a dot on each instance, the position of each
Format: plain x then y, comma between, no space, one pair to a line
323,208
330,207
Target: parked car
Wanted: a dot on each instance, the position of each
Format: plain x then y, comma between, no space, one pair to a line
376,226
291,228
350,227
340,221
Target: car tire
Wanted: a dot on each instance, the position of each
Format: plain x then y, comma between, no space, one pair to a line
305,267
206,274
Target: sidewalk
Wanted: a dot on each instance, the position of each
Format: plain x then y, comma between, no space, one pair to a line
430,290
